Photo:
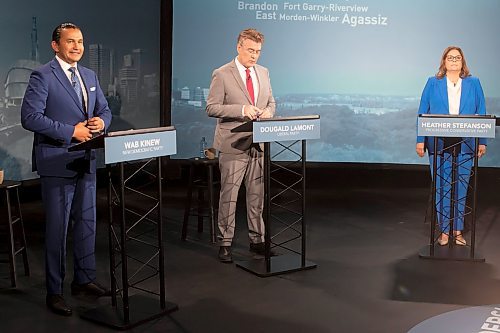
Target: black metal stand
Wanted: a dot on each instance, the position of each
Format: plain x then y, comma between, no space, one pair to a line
452,251
143,234
14,229
291,223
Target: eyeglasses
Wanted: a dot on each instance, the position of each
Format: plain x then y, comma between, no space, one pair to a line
251,51
454,58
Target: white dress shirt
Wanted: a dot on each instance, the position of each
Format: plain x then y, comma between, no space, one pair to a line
454,93
65,67
255,81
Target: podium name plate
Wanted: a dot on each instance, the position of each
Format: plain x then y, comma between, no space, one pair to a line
272,130
477,127
124,148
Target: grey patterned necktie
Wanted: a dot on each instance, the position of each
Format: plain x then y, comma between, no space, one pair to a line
75,82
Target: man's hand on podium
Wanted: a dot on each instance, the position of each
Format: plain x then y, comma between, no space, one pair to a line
251,112
95,124
265,114
81,132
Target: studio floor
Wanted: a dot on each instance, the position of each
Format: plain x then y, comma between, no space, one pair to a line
365,228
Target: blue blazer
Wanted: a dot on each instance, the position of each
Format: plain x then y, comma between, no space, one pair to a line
51,110
435,101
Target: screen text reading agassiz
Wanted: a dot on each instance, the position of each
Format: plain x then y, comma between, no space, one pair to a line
352,15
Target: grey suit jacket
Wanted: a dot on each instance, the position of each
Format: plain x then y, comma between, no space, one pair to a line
228,94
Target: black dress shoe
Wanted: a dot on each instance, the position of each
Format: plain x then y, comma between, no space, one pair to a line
260,249
89,289
225,254
57,304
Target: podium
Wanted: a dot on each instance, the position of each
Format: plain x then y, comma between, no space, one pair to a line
450,133
280,207
135,238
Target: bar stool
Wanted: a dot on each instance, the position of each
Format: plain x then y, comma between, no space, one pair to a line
203,208
14,229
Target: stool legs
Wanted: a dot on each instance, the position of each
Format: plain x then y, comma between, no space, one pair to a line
11,245
211,212
24,248
201,199
187,208
16,233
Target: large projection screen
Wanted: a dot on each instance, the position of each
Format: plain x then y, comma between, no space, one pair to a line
361,65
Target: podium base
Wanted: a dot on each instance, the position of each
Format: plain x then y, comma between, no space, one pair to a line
142,309
456,253
278,265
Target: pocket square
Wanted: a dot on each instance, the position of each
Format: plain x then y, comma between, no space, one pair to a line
92,88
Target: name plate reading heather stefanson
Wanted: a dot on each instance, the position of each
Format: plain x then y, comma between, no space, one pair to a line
286,129
134,145
470,127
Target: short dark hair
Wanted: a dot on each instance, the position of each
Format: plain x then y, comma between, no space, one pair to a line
251,34
56,34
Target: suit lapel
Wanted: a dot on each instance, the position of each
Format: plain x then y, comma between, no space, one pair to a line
63,79
464,95
241,84
86,85
260,81
443,92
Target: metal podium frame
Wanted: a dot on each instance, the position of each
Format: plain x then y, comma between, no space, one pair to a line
453,251
295,260
136,309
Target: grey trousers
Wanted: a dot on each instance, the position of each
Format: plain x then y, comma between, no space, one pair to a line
235,168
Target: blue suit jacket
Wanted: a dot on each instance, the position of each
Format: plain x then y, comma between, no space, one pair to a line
51,110
435,101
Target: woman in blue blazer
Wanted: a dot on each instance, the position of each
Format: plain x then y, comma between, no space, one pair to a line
452,91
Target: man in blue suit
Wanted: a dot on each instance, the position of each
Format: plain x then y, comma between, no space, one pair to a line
452,91
64,105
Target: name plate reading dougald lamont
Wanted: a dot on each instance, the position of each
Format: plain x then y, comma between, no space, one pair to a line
470,127
286,129
140,144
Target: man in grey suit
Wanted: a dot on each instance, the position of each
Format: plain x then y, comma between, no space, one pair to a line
240,91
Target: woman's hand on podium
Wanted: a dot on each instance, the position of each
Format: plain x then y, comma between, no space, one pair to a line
420,149
481,151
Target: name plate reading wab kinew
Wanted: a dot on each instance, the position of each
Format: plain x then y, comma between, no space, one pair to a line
456,127
139,146
289,130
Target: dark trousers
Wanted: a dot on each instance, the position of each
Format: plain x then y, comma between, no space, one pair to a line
65,200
